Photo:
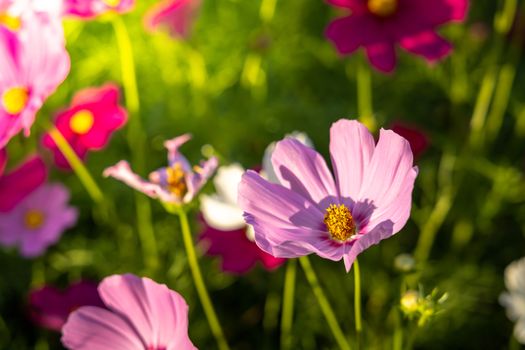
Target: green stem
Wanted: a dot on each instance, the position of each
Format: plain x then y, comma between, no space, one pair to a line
288,304
77,165
364,95
357,302
323,303
136,141
199,282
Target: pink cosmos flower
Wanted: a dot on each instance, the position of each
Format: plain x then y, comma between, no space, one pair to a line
50,306
418,139
310,212
38,220
89,122
142,315
175,184
378,25
88,9
177,16
3,160
34,62
16,185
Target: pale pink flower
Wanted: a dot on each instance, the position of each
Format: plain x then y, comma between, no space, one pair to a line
142,314
177,16
88,9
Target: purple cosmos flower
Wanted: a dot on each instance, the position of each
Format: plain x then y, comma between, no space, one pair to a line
175,184
310,212
38,220
379,25
20,182
50,306
142,315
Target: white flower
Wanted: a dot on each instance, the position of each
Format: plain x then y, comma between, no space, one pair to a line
514,299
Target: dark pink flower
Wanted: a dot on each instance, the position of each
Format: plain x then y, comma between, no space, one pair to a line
89,122
177,16
379,25
19,183
418,139
141,315
88,9
50,307
3,160
37,221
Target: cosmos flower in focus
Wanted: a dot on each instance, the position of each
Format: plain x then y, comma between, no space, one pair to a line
514,299
34,62
20,182
380,25
311,212
89,122
88,9
418,139
141,314
38,221
50,307
176,16
175,184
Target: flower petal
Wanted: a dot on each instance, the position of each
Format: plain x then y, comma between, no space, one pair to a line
382,56
303,170
3,160
221,215
195,180
227,182
351,148
347,33
428,45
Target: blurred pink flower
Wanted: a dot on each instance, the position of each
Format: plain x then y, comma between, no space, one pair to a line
379,25
20,182
50,307
310,212
417,138
89,122
175,184
88,9
34,62
177,16
142,315
38,220
3,160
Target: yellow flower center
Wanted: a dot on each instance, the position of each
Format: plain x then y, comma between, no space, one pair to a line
339,222
112,3
15,99
10,22
176,180
382,8
81,122
33,219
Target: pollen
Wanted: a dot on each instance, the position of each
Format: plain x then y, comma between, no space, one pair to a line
34,219
339,222
15,99
10,22
82,122
112,3
176,180
382,8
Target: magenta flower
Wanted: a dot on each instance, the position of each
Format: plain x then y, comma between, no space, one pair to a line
16,185
379,25
89,122
177,16
310,212
3,160
418,139
50,306
175,184
38,220
34,62
88,9
142,315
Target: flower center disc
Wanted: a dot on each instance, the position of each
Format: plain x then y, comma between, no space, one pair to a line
14,100
382,8
33,219
10,22
111,3
81,122
339,222
175,177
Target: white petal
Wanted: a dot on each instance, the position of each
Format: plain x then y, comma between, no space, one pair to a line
515,276
227,182
220,214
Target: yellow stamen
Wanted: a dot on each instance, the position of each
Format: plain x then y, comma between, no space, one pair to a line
81,122
382,8
112,3
15,99
10,22
176,179
33,219
339,222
